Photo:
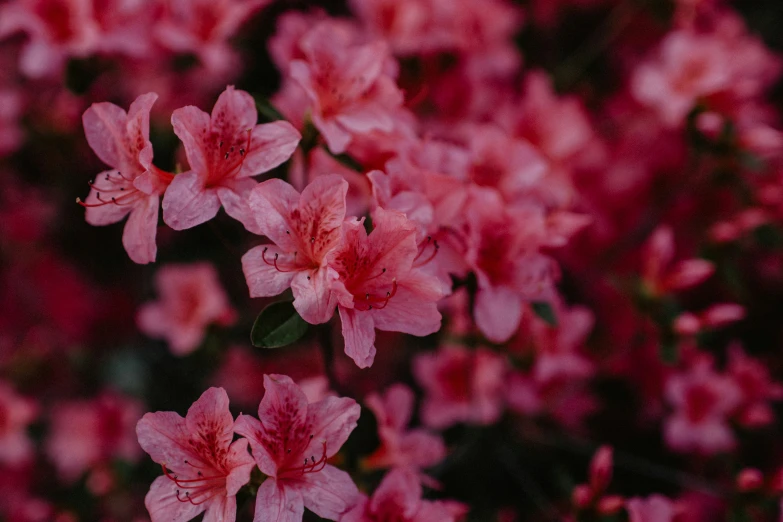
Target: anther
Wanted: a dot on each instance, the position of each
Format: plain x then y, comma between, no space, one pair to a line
226,156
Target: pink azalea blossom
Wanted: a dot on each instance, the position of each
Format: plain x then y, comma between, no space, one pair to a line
756,386
460,386
401,447
202,468
702,401
346,84
17,413
689,66
305,229
716,316
378,285
57,30
291,444
398,498
321,163
87,434
203,27
503,251
224,151
191,298
134,186
655,508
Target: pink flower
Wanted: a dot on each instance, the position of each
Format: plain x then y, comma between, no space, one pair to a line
191,299
291,444
511,166
503,251
401,447
756,386
716,316
655,508
57,29
224,151
379,287
346,84
202,468
305,229
17,413
86,434
702,401
689,66
398,498
661,275
134,186
460,386
203,27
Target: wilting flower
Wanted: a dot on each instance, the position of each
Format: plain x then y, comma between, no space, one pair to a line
291,444
191,298
202,468
224,150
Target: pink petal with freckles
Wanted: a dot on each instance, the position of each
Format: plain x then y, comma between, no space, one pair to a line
138,128
271,144
165,436
191,124
359,333
271,202
234,112
138,238
241,464
498,313
333,419
187,203
251,428
328,493
276,502
163,505
210,417
313,298
263,279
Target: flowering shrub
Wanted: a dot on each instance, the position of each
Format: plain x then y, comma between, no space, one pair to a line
471,260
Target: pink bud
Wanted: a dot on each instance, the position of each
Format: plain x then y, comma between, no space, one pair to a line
601,469
582,496
722,314
689,273
687,324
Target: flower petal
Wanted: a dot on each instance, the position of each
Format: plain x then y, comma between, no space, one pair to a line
263,279
271,144
275,502
187,203
163,506
359,334
138,238
332,420
328,493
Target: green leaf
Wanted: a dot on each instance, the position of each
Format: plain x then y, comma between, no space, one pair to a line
268,111
668,350
277,325
544,310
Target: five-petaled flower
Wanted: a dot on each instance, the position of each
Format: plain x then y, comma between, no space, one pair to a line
292,444
202,468
224,151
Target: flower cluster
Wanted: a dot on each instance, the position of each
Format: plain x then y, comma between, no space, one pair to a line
472,243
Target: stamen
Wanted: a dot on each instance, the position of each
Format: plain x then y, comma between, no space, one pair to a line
274,262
